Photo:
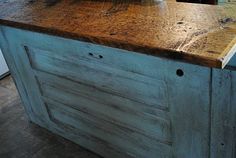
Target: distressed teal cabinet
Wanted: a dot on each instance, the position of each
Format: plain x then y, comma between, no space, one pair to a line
122,104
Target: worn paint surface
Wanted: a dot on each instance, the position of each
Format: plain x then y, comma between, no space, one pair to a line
119,103
23,139
223,123
195,33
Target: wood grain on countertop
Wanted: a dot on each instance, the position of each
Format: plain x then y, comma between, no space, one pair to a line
195,33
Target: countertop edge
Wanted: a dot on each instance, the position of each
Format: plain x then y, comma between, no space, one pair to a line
163,53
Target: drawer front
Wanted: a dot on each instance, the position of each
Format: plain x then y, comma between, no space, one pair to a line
114,102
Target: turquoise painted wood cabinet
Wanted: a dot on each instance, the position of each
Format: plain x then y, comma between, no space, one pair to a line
122,104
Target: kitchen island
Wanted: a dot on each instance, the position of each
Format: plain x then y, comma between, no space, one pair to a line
127,78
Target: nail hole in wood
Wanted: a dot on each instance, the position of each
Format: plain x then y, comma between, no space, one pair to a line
180,22
100,56
222,144
91,54
179,72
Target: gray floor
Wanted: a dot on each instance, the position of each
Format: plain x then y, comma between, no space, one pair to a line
21,139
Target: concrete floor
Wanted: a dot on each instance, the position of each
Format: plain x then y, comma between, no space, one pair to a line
21,139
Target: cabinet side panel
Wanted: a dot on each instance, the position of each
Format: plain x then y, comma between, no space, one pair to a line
223,124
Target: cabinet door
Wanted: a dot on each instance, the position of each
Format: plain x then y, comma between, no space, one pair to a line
114,102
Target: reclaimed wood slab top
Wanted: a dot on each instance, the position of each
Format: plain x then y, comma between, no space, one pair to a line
194,33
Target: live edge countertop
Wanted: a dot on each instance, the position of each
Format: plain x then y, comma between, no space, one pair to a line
194,33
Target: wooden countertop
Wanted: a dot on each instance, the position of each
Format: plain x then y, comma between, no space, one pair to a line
194,33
